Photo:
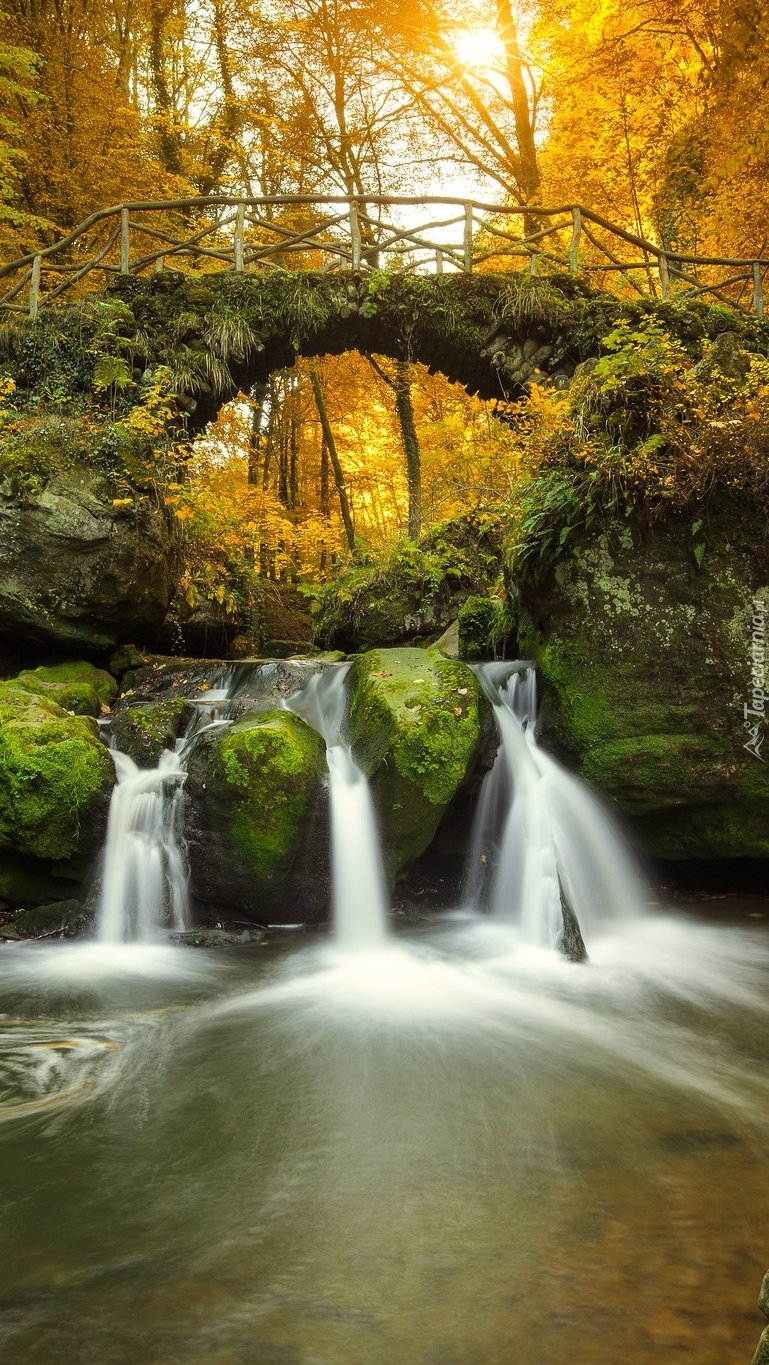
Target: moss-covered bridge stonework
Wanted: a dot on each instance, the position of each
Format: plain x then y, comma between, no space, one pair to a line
220,334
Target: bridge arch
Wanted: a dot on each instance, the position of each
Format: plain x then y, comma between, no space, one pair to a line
493,334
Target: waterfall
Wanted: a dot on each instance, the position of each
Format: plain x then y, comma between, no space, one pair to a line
144,879
359,895
543,851
143,875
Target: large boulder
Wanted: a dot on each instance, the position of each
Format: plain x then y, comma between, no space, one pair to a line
417,724
54,778
80,569
644,650
257,821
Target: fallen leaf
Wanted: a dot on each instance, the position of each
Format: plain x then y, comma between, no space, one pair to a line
463,691
457,711
416,680
105,710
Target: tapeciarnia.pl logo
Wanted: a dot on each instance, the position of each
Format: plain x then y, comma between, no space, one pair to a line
755,710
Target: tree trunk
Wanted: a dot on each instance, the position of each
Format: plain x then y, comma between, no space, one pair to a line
410,440
328,436
401,386
258,395
169,141
528,176
325,501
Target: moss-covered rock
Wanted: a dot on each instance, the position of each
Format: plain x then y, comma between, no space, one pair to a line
68,917
77,687
643,650
53,770
416,724
258,828
415,590
261,784
144,731
80,569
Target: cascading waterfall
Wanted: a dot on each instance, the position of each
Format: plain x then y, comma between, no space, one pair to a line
543,851
144,879
359,897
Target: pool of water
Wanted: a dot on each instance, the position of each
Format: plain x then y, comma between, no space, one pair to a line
454,1151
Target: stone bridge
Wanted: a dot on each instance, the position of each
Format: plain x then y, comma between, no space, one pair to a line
222,334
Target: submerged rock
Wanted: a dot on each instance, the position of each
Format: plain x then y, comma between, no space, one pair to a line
53,772
644,655
416,723
216,938
77,570
257,827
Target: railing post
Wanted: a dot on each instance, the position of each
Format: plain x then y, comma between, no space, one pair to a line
664,275
355,235
240,223
34,287
125,242
438,261
534,263
468,239
576,218
160,265
758,291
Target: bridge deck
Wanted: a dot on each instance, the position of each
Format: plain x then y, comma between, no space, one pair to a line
380,232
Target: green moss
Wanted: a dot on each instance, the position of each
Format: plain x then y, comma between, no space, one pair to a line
143,732
643,665
413,589
77,687
415,724
483,621
266,772
52,768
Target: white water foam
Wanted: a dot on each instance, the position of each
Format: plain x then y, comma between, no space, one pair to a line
359,894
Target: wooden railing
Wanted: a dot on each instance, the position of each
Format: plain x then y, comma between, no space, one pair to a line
337,233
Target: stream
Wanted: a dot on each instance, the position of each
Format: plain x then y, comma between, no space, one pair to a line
430,1140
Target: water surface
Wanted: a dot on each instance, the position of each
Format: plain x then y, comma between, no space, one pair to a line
456,1150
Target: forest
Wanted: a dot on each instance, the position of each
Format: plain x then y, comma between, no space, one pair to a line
650,114
384,775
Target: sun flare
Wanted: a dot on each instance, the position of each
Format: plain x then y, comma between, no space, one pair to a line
478,48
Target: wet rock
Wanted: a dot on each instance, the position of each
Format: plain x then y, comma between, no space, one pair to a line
54,772
571,942
29,881
257,820
77,571
67,917
216,938
144,731
643,658
761,1356
417,723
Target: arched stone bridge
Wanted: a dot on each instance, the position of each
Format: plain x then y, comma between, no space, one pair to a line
221,334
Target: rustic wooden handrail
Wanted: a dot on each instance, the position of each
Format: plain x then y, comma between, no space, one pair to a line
352,233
